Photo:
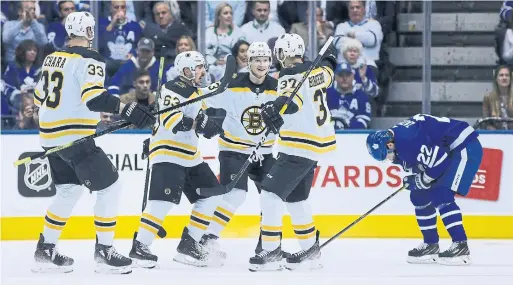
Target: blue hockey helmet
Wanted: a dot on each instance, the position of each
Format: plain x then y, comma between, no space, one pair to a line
377,144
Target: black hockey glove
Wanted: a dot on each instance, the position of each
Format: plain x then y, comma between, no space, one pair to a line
291,107
138,115
271,117
184,125
146,148
209,123
330,57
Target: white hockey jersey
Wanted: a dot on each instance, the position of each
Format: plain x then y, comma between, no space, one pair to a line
243,126
69,79
309,132
180,148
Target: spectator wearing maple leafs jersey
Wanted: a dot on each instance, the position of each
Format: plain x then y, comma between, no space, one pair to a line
349,107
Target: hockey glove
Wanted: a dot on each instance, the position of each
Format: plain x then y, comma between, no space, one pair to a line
291,107
208,126
271,117
138,115
330,57
184,125
417,182
146,148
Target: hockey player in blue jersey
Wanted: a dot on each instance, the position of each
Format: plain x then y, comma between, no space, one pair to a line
444,155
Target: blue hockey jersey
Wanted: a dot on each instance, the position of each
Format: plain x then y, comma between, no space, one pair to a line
423,143
120,41
350,110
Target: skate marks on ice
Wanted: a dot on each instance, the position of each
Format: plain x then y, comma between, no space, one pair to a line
346,261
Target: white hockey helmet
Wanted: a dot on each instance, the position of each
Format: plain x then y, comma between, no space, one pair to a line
259,49
80,24
290,45
189,59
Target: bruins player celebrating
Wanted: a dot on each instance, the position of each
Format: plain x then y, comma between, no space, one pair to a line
243,130
305,134
71,95
177,166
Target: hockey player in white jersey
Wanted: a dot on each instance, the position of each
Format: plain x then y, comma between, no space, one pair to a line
71,95
177,166
243,129
305,133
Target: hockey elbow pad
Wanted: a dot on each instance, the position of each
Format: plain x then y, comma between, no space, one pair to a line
291,107
184,125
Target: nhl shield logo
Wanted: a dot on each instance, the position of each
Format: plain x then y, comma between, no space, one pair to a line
34,178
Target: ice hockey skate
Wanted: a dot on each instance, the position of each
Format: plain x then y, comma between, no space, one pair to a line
424,254
141,255
259,248
267,260
109,261
49,260
310,257
210,242
191,252
457,254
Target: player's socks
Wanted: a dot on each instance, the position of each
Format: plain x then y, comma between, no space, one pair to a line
59,211
228,205
426,219
200,218
105,211
272,213
458,253
151,220
453,221
303,224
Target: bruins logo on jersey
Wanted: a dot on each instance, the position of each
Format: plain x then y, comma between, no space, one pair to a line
252,120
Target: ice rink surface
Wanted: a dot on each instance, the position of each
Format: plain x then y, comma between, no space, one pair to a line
346,262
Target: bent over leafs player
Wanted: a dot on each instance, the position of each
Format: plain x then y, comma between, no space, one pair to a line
306,133
177,166
71,95
243,129
444,155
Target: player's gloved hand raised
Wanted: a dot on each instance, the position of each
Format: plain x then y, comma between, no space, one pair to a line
331,55
184,125
207,126
415,182
138,115
271,117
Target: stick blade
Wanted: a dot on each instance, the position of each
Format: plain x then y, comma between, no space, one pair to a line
230,71
212,191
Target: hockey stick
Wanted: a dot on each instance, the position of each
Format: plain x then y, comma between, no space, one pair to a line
222,189
494,119
363,216
161,231
230,73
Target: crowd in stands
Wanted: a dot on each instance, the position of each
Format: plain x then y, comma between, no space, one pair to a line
134,34
499,102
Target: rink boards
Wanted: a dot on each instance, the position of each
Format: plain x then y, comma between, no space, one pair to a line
347,183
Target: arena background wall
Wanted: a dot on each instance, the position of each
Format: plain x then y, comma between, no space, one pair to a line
347,184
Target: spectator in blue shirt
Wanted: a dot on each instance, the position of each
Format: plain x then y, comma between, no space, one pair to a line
24,72
123,80
349,107
56,32
25,28
118,35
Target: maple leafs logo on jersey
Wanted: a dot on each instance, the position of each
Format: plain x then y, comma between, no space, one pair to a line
375,146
